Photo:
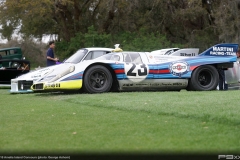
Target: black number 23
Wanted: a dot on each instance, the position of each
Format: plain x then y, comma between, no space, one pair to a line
140,73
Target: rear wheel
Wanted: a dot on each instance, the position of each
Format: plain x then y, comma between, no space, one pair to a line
97,79
204,78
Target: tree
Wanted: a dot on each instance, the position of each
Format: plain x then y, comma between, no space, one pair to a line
29,15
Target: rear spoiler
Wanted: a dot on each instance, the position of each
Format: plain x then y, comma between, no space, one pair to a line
224,49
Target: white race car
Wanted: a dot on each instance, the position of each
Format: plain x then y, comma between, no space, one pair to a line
141,71
23,83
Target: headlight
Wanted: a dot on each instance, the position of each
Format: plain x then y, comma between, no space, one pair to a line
63,73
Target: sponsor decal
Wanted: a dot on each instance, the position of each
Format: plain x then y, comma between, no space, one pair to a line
52,85
187,54
221,51
179,68
127,85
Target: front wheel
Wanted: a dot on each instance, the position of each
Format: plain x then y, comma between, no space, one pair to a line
97,79
204,78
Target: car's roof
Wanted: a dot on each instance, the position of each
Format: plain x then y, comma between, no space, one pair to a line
163,50
3,49
98,48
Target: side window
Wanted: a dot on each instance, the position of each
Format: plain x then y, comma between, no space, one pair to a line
115,58
136,58
132,57
89,56
11,52
95,54
3,53
127,57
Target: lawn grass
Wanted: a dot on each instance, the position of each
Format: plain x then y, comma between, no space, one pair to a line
139,122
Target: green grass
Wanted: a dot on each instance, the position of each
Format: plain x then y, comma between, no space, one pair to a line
142,122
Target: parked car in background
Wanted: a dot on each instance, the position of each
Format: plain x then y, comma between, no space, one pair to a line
10,53
165,51
141,71
23,83
188,52
14,69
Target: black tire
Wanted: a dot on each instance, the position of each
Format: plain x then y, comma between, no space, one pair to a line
97,79
204,78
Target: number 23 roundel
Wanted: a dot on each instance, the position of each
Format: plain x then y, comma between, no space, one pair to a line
136,72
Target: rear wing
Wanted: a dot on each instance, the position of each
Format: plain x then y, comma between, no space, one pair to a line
224,49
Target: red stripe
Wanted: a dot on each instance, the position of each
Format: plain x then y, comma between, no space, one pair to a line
159,71
164,71
119,71
153,71
193,67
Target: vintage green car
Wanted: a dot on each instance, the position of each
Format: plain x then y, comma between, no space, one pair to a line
14,53
12,65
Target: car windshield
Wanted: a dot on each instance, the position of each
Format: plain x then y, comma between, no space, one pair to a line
77,57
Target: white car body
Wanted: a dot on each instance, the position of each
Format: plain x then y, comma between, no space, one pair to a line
23,83
141,71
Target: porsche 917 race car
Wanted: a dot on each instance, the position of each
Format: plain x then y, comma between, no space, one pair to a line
23,83
137,71
232,75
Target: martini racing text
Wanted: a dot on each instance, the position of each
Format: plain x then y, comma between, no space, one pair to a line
222,51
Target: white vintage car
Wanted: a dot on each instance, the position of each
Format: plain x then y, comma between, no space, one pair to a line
188,52
165,51
141,71
23,83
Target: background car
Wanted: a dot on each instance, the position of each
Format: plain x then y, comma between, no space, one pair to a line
11,53
137,71
23,83
14,69
165,51
188,52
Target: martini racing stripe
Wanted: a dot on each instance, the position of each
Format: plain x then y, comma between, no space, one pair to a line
74,77
117,66
119,71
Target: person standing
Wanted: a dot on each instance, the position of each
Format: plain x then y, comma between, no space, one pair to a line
222,84
238,54
50,54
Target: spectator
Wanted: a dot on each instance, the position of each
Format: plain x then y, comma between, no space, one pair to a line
238,53
50,54
222,84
